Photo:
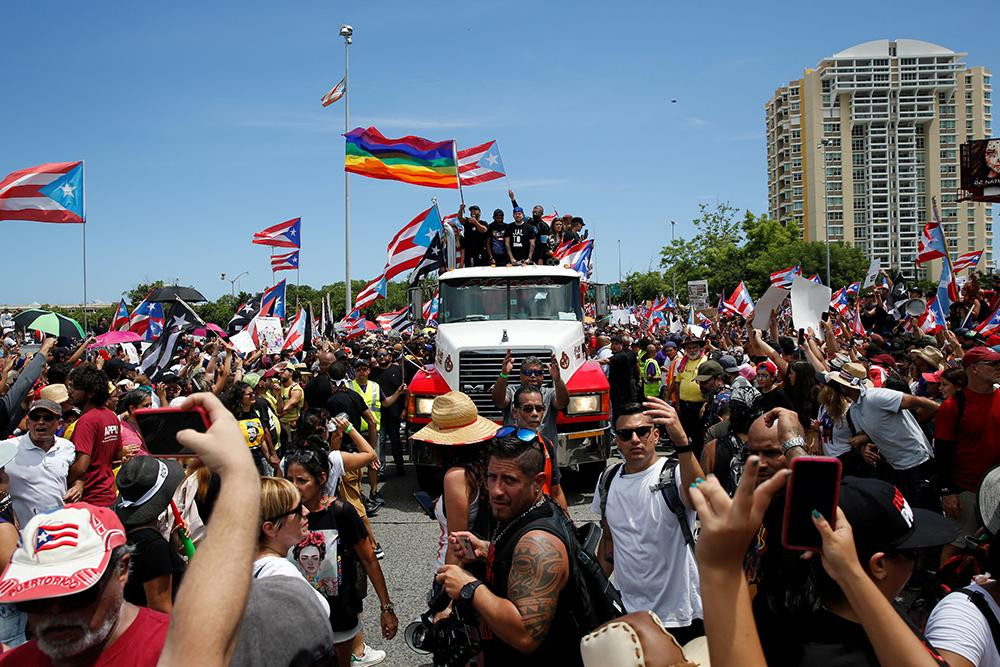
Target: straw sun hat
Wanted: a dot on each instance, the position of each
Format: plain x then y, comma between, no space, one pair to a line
851,375
456,421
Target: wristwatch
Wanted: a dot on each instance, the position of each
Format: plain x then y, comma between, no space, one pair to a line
792,443
388,608
469,590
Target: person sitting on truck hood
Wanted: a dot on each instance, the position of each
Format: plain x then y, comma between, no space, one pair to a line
532,374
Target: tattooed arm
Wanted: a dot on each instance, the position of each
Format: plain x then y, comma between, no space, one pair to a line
538,572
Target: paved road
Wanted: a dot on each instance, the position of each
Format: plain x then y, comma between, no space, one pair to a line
409,538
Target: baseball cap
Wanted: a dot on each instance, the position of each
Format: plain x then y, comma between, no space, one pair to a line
978,354
728,363
708,370
768,367
47,405
252,379
61,553
881,518
884,360
518,209
932,377
670,343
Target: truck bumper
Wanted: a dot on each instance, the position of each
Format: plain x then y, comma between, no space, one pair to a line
582,447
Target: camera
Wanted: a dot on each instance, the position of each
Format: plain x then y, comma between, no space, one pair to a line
453,640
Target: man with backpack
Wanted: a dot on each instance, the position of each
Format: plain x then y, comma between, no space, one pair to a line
535,601
647,519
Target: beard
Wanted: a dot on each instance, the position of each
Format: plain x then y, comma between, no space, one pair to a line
59,650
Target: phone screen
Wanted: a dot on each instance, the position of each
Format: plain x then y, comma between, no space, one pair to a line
159,430
814,485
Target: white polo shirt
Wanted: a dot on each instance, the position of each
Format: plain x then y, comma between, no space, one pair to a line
37,477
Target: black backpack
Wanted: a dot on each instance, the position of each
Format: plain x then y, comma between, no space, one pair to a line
667,488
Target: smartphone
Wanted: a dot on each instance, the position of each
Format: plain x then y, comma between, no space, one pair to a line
814,485
468,553
159,428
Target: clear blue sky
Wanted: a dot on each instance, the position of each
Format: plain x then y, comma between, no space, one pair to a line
200,122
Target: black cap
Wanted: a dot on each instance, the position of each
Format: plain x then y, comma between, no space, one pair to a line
881,518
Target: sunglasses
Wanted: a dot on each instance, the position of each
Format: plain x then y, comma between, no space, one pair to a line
533,373
626,434
531,408
42,417
525,435
296,511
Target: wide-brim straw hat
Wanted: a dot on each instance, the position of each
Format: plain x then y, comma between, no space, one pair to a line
931,355
456,421
851,375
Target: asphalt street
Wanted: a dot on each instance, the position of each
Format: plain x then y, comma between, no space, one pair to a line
409,538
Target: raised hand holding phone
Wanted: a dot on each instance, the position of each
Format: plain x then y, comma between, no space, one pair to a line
814,486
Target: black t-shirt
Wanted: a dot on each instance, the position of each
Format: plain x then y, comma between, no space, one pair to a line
541,239
153,558
776,398
389,380
520,237
262,410
339,523
349,402
318,390
498,232
623,376
475,240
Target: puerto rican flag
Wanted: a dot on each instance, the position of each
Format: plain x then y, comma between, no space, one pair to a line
815,278
355,325
783,278
396,319
372,292
932,244
272,302
578,256
286,262
967,261
430,310
480,164
934,320
561,250
295,338
840,303
50,192
857,327
991,326
54,535
947,292
854,288
122,320
334,93
739,302
286,234
147,320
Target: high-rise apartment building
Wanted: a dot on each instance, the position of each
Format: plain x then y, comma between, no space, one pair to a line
867,138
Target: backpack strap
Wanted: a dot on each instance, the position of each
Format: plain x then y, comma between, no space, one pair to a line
604,485
667,487
983,606
850,421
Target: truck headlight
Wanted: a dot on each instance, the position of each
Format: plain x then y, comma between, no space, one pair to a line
581,404
422,406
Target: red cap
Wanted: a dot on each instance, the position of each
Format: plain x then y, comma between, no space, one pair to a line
768,366
932,377
884,360
977,354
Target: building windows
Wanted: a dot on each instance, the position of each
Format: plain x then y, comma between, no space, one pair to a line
948,155
947,125
834,201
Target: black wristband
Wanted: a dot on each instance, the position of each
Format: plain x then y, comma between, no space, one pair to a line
684,449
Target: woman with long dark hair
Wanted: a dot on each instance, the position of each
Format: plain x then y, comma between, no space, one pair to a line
240,399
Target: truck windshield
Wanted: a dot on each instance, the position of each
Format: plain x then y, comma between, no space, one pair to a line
482,299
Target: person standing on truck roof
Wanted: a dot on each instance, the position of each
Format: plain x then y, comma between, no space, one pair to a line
554,398
496,247
541,254
475,236
520,239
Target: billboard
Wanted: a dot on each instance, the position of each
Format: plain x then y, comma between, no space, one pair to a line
981,170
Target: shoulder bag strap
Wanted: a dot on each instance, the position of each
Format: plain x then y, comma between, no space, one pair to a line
983,606
668,488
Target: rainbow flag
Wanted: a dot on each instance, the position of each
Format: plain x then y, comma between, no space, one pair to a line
409,159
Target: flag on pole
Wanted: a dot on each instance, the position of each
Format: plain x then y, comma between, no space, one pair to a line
159,356
286,262
840,303
433,260
947,291
739,302
967,261
815,278
854,288
577,257
783,278
122,319
243,316
327,326
372,292
857,327
430,310
272,301
147,319
409,159
990,326
480,164
397,320
334,93
296,335
934,320
932,244
410,243
51,192
282,235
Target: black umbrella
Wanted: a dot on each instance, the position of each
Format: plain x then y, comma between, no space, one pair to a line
175,293
26,317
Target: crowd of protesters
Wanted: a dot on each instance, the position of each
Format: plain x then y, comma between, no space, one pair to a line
97,533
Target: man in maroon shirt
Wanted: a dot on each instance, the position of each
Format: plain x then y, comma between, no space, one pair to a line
967,441
96,436
68,576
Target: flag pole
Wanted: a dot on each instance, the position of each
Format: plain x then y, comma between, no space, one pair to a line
83,207
346,32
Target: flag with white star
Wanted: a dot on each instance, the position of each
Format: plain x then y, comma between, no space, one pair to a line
433,261
50,192
480,164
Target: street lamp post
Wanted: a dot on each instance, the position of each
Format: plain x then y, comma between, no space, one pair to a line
673,269
347,32
233,281
826,214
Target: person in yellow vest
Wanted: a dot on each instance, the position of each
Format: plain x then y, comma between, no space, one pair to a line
651,374
372,396
686,391
290,398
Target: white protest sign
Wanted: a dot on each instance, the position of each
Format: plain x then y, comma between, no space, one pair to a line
129,349
270,334
696,330
809,302
698,294
770,302
243,342
873,270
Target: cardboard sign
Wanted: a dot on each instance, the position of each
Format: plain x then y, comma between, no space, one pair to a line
243,342
809,302
769,303
270,334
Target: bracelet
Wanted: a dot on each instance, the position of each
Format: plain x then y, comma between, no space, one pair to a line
388,608
792,443
347,431
504,376
684,449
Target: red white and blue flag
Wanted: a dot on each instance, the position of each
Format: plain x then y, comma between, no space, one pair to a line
815,278
286,234
147,320
372,292
480,164
50,192
286,262
991,326
295,338
272,301
857,327
783,278
967,261
50,536
934,319
398,320
932,244
121,321
334,93
840,303
947,292
577,257
561,249
854,288
430,310
739,302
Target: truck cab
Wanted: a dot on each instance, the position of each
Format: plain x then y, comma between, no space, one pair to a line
531,311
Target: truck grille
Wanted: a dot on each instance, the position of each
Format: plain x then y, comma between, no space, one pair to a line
478,372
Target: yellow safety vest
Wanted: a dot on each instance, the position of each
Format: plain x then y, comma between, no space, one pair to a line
371,395
689,389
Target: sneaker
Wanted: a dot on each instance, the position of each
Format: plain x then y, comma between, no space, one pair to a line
371,656
379,554
377,499
371,508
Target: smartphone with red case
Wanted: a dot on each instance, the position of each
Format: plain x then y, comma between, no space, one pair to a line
159,428
813,485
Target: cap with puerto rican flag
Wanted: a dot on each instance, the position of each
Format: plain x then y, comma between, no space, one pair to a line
61,553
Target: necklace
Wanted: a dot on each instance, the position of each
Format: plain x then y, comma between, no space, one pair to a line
500,533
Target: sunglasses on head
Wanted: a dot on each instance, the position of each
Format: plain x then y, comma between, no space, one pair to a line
297,510
42,417
627,433
525,435
533,373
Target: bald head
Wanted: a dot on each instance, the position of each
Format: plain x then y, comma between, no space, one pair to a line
763,441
